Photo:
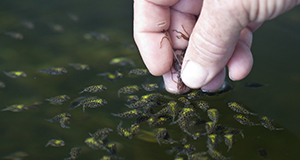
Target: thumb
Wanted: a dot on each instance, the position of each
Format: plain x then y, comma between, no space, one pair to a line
212,44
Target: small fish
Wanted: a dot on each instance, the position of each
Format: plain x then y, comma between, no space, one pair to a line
54,70
213,141
195,94
112,149
56,27
228,139
73,17
202,105
94,103
262,152
243,120
28,24
2,84
76,102
198,135
88,36
75,152
156,121
162,134
80,66
15,74
150,86
131,98
235,131
128,114
139,71
253,85
128,89
16,108
100,36
184,100
64,121
238,108
100,133
267,123
216,155
198,156
173,109
95,143
152,96
58,117
55,143
94,89
122,61
185,149
16,155
124,132
57,100
213,115
110,76
210,127
14,35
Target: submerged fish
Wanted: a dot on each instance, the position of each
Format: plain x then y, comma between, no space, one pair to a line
75,152
57,100
15,74
238,108
94,89
16,108
54,70
267,123
55,143
80,66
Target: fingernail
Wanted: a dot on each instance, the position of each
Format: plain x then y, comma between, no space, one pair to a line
194,75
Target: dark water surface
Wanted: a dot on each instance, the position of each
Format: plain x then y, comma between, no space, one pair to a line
276,66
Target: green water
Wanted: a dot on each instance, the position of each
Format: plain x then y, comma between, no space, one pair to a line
276,56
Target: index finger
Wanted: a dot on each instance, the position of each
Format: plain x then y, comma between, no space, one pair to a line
151,17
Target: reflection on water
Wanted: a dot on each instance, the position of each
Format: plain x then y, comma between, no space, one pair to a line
70,33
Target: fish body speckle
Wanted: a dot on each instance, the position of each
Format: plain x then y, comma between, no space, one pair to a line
94,89
54,70
238,108
202,105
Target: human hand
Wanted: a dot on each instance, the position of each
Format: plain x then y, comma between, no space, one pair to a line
221,35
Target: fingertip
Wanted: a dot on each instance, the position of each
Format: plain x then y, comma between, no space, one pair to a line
241,62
